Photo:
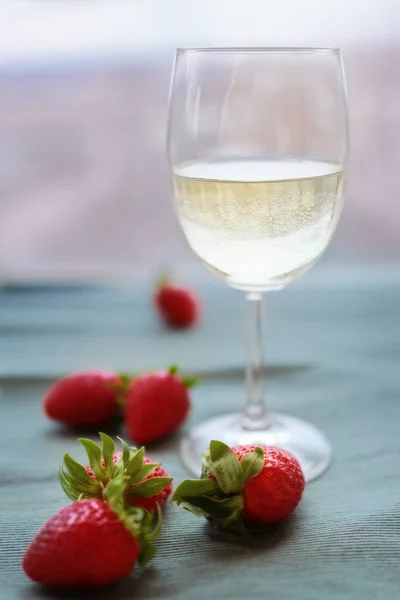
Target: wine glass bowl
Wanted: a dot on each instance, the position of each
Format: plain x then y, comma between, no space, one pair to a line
257,145
258,224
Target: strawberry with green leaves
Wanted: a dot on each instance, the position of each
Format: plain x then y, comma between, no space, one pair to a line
91,542
147,483
243,488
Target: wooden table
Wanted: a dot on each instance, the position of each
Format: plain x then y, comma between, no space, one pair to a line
334,359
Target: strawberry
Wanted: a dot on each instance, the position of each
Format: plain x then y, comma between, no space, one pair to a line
90,398
156,405
243,488
177,306
91,542
147,483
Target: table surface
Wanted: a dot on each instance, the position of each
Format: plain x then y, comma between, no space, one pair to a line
333,353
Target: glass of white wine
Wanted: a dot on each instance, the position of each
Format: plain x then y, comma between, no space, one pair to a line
257,145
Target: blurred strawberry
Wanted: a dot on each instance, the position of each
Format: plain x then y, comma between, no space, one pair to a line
177,306
157,404
89,398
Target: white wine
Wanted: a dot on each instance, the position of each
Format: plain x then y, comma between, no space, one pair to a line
258,224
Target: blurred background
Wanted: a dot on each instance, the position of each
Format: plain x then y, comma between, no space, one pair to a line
84,191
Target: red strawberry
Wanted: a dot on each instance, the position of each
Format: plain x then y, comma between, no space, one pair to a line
244,487
177,306
147,483
156,405
91,542
89,398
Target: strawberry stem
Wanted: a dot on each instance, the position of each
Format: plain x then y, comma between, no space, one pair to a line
163,279
190,382
122,387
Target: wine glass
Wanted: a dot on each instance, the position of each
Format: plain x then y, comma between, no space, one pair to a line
257,145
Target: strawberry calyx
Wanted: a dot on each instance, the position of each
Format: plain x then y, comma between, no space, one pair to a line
121,388
140,523
127,380
163,280
130,468
218,494
187,381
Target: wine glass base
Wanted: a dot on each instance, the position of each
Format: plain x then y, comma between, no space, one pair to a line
303,440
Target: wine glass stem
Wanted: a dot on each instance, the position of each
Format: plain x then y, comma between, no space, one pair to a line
255,413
